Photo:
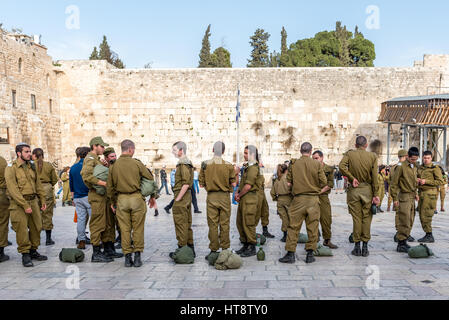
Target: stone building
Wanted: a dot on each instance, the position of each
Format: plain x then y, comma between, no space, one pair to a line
280,108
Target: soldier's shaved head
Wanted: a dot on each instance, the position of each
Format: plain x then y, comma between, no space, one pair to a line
219,148
306,148
361,141
180,145
126,145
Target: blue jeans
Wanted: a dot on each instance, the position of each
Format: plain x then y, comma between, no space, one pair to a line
83,210
164,183
196,186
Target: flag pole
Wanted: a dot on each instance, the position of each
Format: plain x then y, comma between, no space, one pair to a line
238,125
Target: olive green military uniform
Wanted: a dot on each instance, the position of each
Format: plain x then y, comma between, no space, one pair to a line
182,210
48,179
307,179
325,204
404,189
428,194
442,193
98,223
381,187
217,177
247,209
263,211
65,187
25,190
282,194
4,206
124,191
361,165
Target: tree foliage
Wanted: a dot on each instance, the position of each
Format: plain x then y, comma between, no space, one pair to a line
260,52
221,58
107,54
205,56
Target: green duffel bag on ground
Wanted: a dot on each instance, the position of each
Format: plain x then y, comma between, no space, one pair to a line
101,172
263,239
212,258
184,255
71,255
322,251
421,251
228,260
148,187
303,238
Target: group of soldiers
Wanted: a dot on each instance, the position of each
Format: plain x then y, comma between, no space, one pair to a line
301,190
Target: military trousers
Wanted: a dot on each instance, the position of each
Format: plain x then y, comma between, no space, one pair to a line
246,218
98,221
110,223
263,211
303,208
27,226
442,193
47,215
426,206
283,203
131,212
406,214
4,218
359,202
66,192
182,218
218,220
325,216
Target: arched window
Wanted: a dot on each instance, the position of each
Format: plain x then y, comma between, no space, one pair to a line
20,65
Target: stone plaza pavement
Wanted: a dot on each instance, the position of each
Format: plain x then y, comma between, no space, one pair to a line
342,276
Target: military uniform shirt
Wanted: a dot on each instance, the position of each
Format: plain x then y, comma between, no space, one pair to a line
250,176
184,174
404,179
48,173
3,165
280,188
87,172
306,176
21,180
217,175
329,172
432,175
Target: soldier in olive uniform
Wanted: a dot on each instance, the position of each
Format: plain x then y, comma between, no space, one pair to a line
48,178
218,177
182,206
124,191
247,198
4,212
360,166
281,192
263,211
24,190
308,181
98,203
325,204
111,219
404,189
429,178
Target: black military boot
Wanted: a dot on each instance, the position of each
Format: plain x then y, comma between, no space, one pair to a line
36,256
249,252
9,243
129,260
172,254
193,249
365,252
357,252
3,256
242,249
288,258
284,238
395,238
310,258
402,246
351,238
109,251
48,241
167,210
26,260
98,256
266,233
137,260
156,213
329,244
428,238
410,239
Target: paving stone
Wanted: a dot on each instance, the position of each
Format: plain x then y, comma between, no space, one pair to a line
275,293
214,293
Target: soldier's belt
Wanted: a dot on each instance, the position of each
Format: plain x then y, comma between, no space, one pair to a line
219,191
283,195
306,194
29,197
128,193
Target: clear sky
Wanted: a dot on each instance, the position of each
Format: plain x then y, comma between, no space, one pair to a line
169,33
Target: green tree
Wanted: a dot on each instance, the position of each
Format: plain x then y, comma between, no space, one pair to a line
94,55
284,58
205,56
221,58
259,53
343,37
